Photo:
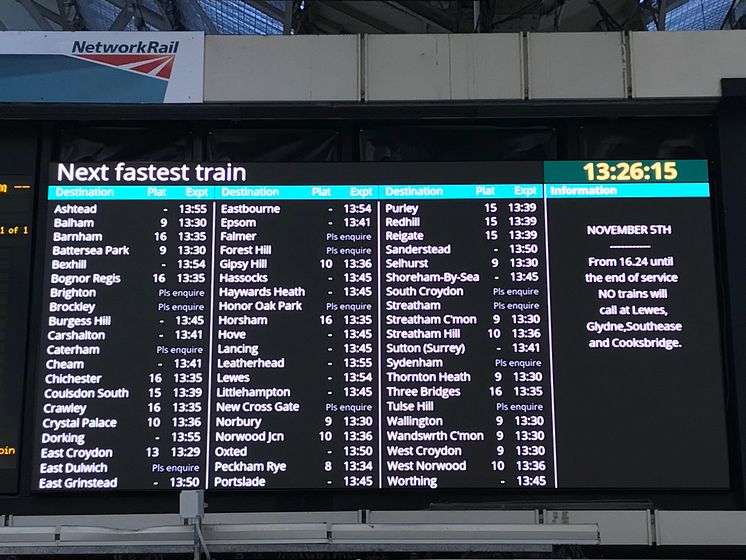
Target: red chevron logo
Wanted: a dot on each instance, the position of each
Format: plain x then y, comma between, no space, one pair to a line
155,65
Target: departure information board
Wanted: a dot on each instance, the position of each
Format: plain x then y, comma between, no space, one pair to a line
379,326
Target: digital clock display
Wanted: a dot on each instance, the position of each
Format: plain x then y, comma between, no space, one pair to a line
631,171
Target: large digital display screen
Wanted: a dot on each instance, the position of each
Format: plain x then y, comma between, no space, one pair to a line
378,326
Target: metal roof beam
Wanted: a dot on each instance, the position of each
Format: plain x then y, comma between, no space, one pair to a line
320,23
121,21
169,11
153,18
268,9
54,17
662,11
288,16
345,8
71,11
33,10
208,23
649,12
430,16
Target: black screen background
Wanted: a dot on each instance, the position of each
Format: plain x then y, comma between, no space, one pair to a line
578,133
617,426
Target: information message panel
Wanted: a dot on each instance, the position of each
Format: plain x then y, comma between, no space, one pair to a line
377,326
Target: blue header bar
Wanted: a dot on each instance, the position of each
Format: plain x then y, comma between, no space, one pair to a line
296,192
381,192
628,190
130,192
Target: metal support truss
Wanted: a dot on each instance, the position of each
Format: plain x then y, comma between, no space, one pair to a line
66,18
143,16
68,15
210,28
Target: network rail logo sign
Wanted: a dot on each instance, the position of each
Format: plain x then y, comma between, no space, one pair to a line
132,56
91,67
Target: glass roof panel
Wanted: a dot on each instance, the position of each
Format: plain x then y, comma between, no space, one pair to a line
235,17
695,15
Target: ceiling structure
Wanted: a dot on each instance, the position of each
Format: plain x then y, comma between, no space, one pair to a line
270,17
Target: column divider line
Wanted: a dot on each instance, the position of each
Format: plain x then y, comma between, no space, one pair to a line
549,328
380,344
209,352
